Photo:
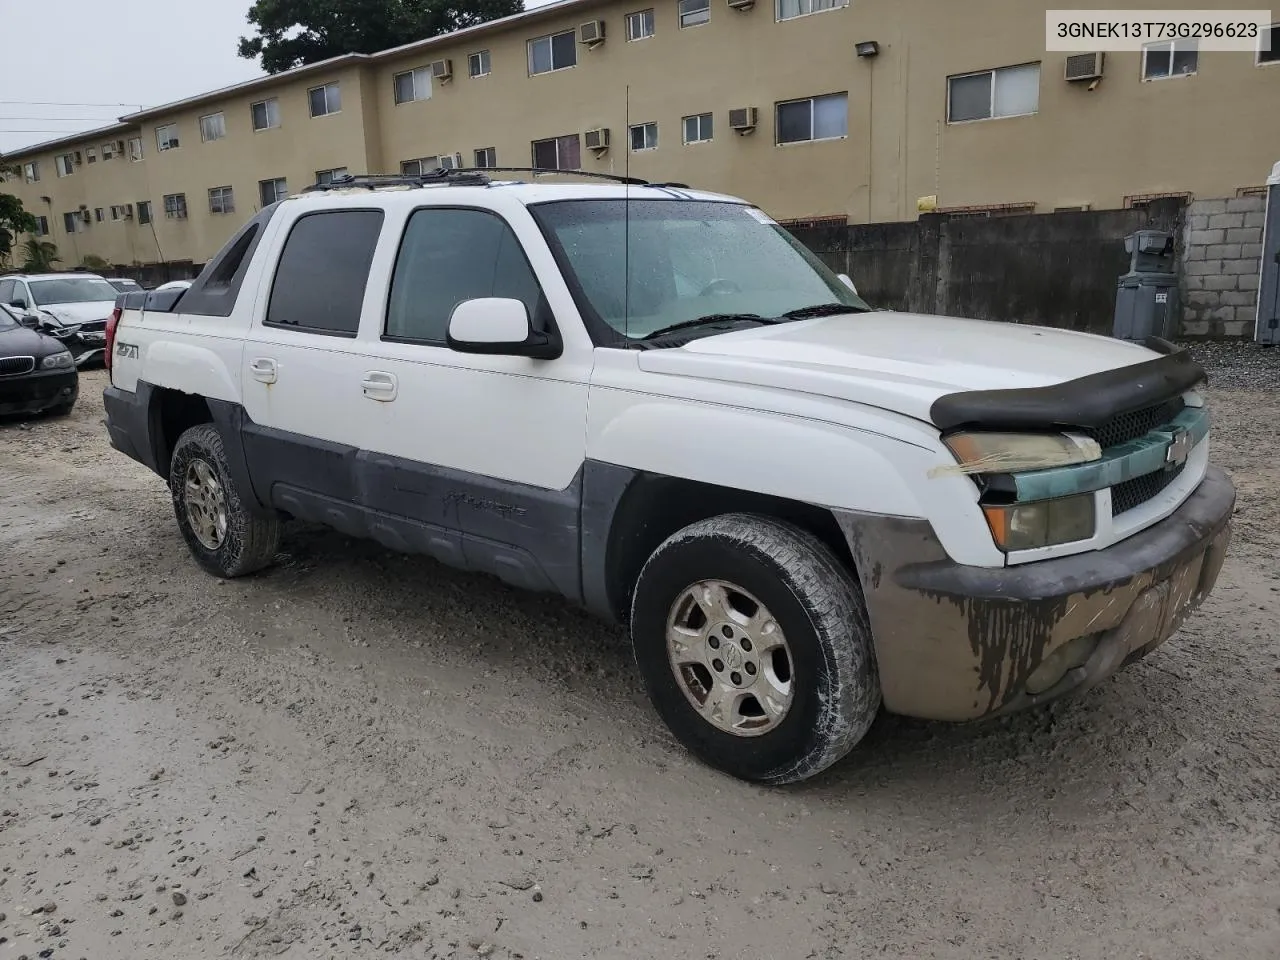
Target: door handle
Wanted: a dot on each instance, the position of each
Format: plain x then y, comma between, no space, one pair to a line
380,386
263,369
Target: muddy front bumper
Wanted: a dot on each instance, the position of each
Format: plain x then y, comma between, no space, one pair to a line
956,642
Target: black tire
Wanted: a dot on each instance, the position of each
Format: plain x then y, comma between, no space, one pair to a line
820,609
251,540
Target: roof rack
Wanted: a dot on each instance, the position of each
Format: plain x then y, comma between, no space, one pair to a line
460,176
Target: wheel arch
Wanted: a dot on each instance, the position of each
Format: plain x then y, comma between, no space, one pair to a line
648,508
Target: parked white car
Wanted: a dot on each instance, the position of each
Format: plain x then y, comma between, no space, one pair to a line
657,403
71,307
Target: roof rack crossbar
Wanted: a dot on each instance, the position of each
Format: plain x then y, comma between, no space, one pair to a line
458,176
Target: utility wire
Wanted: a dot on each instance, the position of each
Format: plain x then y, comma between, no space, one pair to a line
60,103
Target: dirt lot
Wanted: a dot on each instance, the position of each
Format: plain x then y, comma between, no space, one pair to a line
359,752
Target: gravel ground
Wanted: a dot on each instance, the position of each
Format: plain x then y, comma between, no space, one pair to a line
360,752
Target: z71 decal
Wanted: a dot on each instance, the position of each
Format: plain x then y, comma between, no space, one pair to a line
127,350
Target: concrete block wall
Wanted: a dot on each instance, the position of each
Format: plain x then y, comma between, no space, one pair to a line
1221,259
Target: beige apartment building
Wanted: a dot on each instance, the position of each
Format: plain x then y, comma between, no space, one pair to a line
846,109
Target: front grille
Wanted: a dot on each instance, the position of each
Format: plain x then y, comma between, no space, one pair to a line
1134,493
16,366
94,325
1130,426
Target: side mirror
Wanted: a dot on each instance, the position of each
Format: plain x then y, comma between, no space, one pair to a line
848,282
499,326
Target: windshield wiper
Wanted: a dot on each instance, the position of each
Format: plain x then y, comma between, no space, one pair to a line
822,310
709,319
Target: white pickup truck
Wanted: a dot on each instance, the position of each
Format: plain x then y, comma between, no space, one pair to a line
655,402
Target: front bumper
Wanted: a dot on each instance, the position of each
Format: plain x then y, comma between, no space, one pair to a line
957,642
38,391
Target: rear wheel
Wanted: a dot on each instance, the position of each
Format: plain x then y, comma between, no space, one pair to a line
755,647
224,536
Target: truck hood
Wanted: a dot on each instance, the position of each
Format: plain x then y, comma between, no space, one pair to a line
895,361
72,313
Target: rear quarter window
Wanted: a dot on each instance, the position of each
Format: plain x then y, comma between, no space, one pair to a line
323,271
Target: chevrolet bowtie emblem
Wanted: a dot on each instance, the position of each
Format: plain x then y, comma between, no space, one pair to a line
1179,449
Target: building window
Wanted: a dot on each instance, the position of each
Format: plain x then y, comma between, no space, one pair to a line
640,25
478,64
175,206
425,165
558,153
556,52
697,129
167,136
71,222
98,215
117,213
90,155
992,94
325,100
272,191
266,114
412,85
790,9
213,127
817,118
486,157
221,200
1177,58
144,211
108,151
644,136
31,172
42,226
694,12
135,149
64,164
1269,45
326,177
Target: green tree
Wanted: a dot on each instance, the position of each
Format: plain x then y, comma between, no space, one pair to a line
13,220
91,261
40,256
290,33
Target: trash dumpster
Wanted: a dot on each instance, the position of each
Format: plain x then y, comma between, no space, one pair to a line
1147,296
1267,329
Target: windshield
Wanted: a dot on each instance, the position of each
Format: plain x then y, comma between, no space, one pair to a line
71,290
688,259
125,286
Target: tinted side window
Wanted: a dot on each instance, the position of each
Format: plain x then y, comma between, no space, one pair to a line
448,256
323,270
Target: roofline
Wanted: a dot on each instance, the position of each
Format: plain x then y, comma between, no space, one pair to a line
272,79
263,82
70,138
523,16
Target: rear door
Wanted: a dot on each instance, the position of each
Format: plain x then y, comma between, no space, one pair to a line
302,366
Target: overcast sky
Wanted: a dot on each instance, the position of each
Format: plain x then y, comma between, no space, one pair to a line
72,65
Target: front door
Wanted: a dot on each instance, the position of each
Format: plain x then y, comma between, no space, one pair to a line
496,442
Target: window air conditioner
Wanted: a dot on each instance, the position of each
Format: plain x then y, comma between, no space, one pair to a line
743,119
591,32
1084,66
597,139
442,69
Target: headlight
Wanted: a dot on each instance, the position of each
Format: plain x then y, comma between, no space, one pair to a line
1042,523
57,361
1015,452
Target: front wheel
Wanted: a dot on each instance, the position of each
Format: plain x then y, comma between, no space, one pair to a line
226,539
755,647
